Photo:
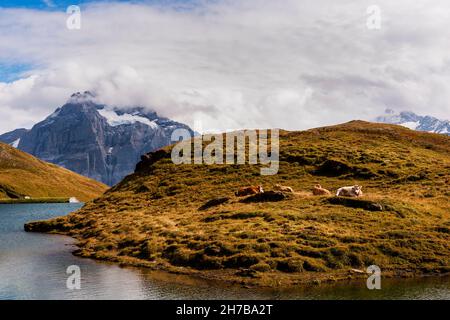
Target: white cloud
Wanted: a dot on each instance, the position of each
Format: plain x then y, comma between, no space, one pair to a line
258,63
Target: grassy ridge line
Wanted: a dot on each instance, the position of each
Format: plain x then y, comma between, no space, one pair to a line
402,223
23,175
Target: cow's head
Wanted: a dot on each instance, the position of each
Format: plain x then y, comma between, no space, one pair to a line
357,189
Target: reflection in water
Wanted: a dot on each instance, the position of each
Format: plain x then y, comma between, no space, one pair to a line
33,266
431,288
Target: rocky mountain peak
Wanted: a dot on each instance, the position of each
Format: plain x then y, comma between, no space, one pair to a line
80,97
96,140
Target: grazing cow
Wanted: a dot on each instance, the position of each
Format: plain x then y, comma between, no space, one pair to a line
246,191
281,188
353,191
319,191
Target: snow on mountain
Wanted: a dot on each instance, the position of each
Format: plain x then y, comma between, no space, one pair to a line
114,119
415,122
15,144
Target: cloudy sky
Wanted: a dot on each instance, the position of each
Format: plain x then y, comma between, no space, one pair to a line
293,64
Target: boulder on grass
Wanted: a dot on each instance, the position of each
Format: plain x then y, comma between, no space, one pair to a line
213,203
269,196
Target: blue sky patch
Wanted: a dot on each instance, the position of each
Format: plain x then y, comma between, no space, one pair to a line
63,4
12,72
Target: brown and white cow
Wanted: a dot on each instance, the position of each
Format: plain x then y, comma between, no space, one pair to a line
319,191
281,188
353,191
246,191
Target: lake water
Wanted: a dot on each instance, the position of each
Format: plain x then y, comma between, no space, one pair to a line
33,266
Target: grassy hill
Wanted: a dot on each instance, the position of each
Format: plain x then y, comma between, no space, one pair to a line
24,175
157,217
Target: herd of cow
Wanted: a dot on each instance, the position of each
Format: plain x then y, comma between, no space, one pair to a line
317,190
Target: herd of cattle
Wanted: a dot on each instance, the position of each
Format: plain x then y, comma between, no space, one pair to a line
317,190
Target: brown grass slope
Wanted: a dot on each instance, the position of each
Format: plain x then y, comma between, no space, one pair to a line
24,175
153,217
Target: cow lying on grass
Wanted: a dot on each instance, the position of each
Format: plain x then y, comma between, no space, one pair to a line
353,191
319,191
246,191
281,188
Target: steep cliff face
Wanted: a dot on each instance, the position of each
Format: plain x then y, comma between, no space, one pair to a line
95,140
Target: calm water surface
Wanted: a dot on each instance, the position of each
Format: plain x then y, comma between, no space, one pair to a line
33,266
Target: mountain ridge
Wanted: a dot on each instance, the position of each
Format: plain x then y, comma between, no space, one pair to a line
413,121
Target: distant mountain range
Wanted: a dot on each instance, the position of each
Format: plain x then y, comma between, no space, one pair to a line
105,143
415,122
95,140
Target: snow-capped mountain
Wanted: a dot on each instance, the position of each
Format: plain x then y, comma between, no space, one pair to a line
415,122
95,140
